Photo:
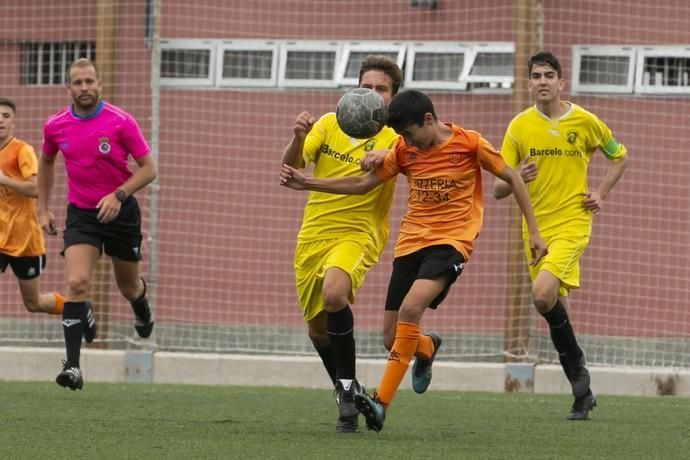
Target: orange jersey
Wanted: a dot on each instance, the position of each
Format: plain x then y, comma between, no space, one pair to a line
445,204
20,234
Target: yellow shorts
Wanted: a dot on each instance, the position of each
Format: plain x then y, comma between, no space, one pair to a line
312,259
562,261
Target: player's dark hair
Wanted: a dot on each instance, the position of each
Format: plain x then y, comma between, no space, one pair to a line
408,108
82,62
544,58
385,65
9,103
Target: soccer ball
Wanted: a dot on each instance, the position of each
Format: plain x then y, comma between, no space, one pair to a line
361,113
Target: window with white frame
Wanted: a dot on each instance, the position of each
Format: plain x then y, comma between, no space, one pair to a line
663,70
603,69
309,64
248,63
331,64
188,62
435,66
46,63
353,53
489,66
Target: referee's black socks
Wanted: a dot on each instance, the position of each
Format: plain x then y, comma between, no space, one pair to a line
141,305
73,324
339,326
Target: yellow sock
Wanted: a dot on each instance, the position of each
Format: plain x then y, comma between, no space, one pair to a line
425,347
406,340
59,304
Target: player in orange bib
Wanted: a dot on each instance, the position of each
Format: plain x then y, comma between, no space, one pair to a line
21,241
442,163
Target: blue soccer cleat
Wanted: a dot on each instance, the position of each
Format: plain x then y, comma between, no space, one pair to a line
372,410
421,370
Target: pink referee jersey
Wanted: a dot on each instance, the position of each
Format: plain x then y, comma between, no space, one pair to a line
95,149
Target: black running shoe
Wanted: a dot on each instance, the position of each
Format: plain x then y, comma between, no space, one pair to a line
582,407
90,327
70,377
348,414
421,370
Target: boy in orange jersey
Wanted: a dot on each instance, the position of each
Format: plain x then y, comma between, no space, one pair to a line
442,163
21,242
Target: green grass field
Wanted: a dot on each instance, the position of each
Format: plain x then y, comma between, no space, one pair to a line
108,421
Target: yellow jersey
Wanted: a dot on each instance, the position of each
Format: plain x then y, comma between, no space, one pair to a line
561,149
335,154
20,234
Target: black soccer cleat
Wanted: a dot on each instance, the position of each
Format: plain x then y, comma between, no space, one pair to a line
582,407
348,414
70,377
90,327
421,370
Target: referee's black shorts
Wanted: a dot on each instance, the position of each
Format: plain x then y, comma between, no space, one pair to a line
119,238
431,263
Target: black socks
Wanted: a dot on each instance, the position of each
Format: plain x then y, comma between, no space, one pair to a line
73,324
563,337
340,327
141,306
328,359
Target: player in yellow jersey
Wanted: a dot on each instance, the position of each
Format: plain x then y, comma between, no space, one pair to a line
552,142
341,236
21,242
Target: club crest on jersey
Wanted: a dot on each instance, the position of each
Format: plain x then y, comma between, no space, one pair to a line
454,157
571,137
369,145
103,145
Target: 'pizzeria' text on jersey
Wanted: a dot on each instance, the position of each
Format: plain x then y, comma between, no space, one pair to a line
433,189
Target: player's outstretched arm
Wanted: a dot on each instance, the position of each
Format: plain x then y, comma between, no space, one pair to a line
593,199
517,186
292,155
348,185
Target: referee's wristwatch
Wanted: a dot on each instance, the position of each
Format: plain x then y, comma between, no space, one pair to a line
121,195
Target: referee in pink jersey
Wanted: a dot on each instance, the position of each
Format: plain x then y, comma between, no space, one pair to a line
95,139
